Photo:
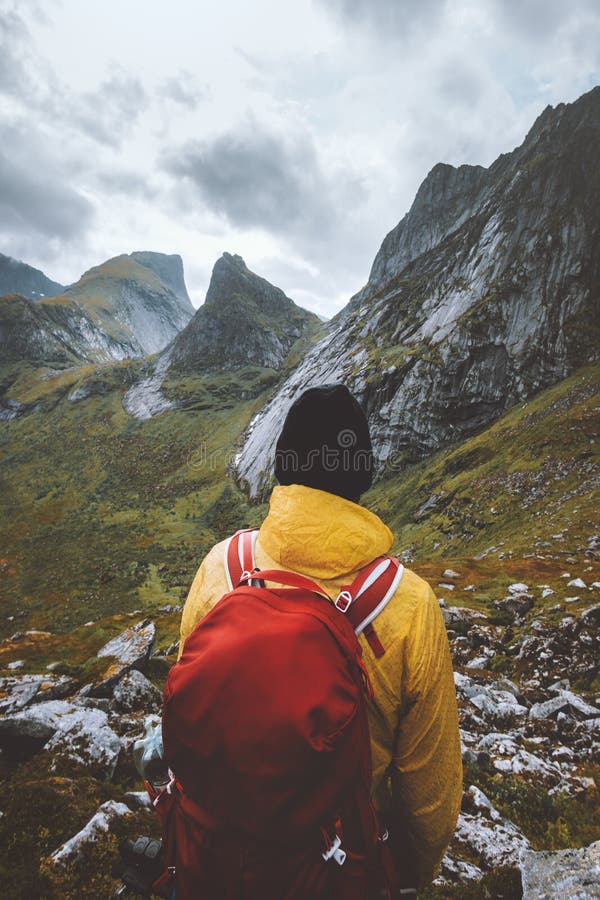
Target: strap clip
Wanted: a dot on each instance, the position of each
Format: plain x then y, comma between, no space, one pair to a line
343,601
335,852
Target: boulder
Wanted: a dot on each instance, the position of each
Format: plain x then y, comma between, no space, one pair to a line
135,692
75,735
568,874
564,700
18,691
21,738
129,650
100,823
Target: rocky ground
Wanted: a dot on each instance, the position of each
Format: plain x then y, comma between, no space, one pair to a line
526,678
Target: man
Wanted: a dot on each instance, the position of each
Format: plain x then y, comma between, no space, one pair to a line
316,527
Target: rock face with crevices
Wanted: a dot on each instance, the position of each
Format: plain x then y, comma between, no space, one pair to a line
486,292
244,321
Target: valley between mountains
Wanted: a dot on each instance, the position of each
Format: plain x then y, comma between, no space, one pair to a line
135,432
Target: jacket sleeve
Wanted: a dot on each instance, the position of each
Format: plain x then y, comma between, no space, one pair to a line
192,610
426,773
207,587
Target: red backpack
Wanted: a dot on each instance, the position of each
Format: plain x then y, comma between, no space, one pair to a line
265,729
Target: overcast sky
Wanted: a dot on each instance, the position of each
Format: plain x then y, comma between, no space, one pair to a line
293,133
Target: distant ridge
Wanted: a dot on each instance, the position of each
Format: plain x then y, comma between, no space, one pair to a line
19,278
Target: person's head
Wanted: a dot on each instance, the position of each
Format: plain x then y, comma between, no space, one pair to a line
325,443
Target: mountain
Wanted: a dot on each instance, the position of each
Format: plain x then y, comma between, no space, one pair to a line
169,269
245,323
487,291
19,278
129,306
244,320
133,304
55,334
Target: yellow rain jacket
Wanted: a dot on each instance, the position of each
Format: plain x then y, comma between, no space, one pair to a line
417,770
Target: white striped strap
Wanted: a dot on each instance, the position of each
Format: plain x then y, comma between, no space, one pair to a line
238,555
368,595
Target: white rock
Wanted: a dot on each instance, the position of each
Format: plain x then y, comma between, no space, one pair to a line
518,588
132,646
568,874
99,824
482,803
457,870
82,735
16,664
450,573
547,592
577,583
478,662
135,691
498,705
494,843
561,701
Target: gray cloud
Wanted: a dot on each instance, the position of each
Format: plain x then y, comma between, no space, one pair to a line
184,90
391,18
255,178
107,114
527,19
17,59
36,195
126,183
538,19
32,201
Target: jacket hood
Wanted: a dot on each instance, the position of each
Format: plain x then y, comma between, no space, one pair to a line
320,534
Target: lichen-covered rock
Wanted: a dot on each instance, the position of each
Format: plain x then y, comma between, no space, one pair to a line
18,691
75,735
568,874
482,831
135,692
100,823
130,650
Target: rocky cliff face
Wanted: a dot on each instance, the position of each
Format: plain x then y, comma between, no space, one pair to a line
169,269
132,303
245,320
486,292
54,334
19,278
129,306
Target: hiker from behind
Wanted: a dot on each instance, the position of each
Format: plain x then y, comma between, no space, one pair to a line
317,529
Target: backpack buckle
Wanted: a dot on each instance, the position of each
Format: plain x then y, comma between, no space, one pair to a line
343,601
335,852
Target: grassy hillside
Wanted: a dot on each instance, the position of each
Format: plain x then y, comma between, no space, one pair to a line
101,513
104,519
519,500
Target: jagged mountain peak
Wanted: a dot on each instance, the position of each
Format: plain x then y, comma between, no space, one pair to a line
486,292
128,306
567,117
245,320
132,299
168,267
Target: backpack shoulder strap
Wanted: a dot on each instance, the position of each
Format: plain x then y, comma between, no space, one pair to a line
238,555
370,592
